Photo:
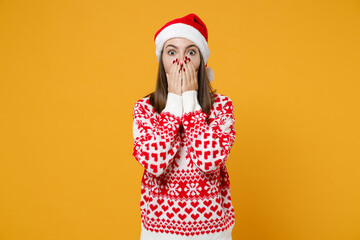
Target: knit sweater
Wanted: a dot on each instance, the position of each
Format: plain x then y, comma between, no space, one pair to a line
185,187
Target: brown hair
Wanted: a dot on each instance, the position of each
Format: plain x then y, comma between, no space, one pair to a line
205,91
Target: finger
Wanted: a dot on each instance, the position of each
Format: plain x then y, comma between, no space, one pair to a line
178,67
173,71
196,79
195,76
192,70
183,82
178,79
184,79
188,75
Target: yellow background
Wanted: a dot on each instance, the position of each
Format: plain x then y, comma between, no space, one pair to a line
71,72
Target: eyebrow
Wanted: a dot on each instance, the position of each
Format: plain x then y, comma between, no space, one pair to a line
170,45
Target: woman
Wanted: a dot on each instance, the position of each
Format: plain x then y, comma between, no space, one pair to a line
183,133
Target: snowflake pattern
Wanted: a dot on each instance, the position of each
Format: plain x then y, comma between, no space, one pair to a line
169,122
198,117
192,189
173,189
211,186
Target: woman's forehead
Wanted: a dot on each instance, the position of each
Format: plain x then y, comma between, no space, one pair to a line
178,41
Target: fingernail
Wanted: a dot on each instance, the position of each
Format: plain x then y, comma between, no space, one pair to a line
184,69
174,61
189,59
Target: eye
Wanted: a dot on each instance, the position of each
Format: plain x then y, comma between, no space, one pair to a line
194,52
169,52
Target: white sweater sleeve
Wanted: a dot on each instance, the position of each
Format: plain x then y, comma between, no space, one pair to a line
156,136
209,144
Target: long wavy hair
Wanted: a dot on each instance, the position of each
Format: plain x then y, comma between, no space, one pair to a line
206,93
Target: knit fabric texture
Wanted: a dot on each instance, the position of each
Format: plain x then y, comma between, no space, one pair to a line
185,187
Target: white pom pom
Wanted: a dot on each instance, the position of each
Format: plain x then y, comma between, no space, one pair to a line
210,73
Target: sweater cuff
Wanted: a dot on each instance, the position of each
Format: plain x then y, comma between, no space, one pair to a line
190,101
174,104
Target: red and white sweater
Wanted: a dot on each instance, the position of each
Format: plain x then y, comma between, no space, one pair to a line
185,188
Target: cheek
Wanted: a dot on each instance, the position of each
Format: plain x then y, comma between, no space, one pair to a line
197,67
167,67
168,64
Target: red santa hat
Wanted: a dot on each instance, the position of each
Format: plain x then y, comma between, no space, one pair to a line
190,27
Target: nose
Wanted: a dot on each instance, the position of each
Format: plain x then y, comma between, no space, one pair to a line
182,57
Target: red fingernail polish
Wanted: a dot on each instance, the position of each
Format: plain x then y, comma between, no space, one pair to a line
189,59
184,69
173,61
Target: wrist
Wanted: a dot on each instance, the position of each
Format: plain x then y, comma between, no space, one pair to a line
177,93
174,104
190,101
